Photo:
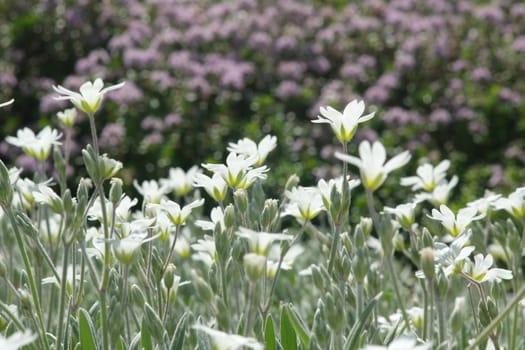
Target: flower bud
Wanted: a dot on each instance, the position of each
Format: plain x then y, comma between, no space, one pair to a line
427,262
202,288
346,241
137,297
229,216
254,266
426,239
6,188
292,182
115,191
360,265
441,285
169,275
240,198
108,167
60,165
366,225
317,277
458,315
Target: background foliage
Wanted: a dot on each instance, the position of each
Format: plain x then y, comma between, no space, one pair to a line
442,75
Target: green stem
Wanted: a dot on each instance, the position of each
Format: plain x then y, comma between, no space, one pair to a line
104,320
371,208
11,316
333,248
360,299
496,321
172,249
251,302
442,336
63,292
425,311
393,277
125,301
28,268
94,138
336,341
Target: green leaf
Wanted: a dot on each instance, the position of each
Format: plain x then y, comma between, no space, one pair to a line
203,341
87,332
288,336
145,336
352,341
269,334
299,326
154,323
120,344
178,337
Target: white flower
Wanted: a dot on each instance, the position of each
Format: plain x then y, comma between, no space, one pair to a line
452,257
226,341
260,241
215,186
513,204
325,188
440,193
305,203
205,251
480,270
152,191
37,146
485,204
67,117
372,164
238,171
216,216
344,124
90,97
452,223
16,340
288,259
180,181
404,342
404,213
127,248
427,177
249,148
175,213
7,103
45,195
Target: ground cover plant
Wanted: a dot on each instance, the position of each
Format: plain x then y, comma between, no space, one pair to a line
91,267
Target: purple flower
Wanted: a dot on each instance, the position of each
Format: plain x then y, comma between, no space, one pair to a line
440,116
377,94
291,69
141,58
506,94
112,135
481,74
288,89
519,44
129,93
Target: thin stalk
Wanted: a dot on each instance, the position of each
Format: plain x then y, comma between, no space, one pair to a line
94,138
333,247
63,292
336,341
166,304
441,320
360,299
424,332
371,208
266,307
397,292
12,317
30,277
172,249
345,165
430,321
125,301
251,302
